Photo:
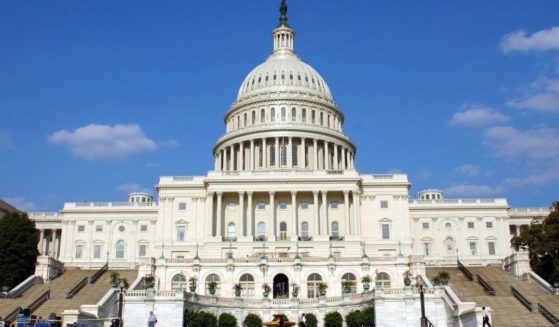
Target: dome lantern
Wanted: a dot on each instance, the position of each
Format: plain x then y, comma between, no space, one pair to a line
283,35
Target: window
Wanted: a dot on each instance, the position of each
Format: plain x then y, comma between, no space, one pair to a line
79,251
294,154
261,230
283,114
182,206
449,246
142,251
312,285
335,231
283,153
491,248
304,205
261,205
473,248
253,119
313,117
470,224
121,228
489,224
304,115
383,280
448,225
245,119
181,232
178,282
334,204
215,279
262,116
385,231
143,228
305,231
272,154
384,204
293,114
97,251
231,232
232,205
247,285
81,228
425,225
98,228
273,115
427,248
283,231
283,205
349,277
119,249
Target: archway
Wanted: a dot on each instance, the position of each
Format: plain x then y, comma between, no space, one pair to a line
281,287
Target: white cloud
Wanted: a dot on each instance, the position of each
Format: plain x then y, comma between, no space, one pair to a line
103,141
508,142
537,177
477,115
132,187
5,140
547,39
21,203
467,169
169,143
543,96
472,190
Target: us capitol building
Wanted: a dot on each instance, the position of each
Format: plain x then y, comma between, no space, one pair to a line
283,206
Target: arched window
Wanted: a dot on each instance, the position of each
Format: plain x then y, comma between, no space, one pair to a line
312,285
313,117
283,114
178,282
273,114
383,280
335,231
261,231
262,116
213,278
253,120
349,278
293,114
304,115
272,154
321,121
119,249
245,121
231,232
283,231
449,245
247,285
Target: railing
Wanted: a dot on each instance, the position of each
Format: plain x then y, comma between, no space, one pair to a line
76,288
38,301
486,286
98,273
12,315
548,315
522,299
22,287
465,271
426,323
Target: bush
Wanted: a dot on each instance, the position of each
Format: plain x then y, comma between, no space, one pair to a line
333,319
227,320
354,319
311,320
368,317
201,319
252,320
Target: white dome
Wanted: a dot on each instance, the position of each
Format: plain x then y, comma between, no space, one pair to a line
284,71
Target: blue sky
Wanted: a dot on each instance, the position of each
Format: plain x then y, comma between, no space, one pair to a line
99,98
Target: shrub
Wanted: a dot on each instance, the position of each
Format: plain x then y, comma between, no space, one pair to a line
368,315
333,319
227,320
201,319
311,320
354,319
253,320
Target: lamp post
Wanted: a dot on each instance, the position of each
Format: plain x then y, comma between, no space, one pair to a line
422,300
122,287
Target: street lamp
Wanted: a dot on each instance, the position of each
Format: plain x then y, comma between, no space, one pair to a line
122,285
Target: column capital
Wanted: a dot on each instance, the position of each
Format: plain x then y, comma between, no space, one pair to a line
271,193
211,193
219,194
293,193
315,192
241,193
324,192
250,193
346,192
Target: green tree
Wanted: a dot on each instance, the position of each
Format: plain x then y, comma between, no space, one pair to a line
311,320
542,242
18,249
354,319
333,319
368,316
253,320
227,320
201,319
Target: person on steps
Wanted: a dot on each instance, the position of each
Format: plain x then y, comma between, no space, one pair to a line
152,319
485,315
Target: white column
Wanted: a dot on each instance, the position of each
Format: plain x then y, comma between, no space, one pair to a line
264,156
232,155
241,233
356,209
326,156
344,154
225,165
272,222
252,161
346,213
210,219
290,153
250,219
336,164
218,219
41,242
216,162
220,160
316,207
294,222
315,154
277,153
242,157
324,216
302,156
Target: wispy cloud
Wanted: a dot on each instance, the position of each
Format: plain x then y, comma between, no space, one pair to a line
547,39
169,143
472,190
477,115
533,144
538,177
542,95
468,170
20,203
95,141
132,187
5,140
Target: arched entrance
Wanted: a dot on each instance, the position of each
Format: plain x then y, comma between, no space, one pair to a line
281,287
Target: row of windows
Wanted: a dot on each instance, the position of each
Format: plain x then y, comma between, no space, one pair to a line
119,250
283,77
449,247
471,225
303,205
121,228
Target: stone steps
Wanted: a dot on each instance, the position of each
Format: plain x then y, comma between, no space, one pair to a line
8,305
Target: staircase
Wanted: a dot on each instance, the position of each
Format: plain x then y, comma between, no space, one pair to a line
8,305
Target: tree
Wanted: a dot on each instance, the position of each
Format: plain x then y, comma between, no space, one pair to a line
542,242
227,320
253,320
201,319
354,319
333,319
18,249
368,316
311,320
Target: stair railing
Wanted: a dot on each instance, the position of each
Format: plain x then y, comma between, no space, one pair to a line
38,301
527,303
548,315
486,286
12,315
426,323
465,270
76,288
98,273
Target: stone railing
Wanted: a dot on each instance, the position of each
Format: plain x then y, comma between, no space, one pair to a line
278,260
74,205
496,201
44,216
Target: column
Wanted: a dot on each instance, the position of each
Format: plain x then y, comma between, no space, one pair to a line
232,155
315,154
216,162
53,242
272,222
303,154
242,157
225,165
264,156
315,206
336,164
324,216
344,154
41,241
290,153
346,213
294,223
252,161
218,219
277,153
241,233
326,156
356,208
250,219
210,219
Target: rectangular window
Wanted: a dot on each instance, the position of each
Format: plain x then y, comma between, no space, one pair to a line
425,225
512,230
98,228
79,251
81,228
489,224
182,206
97,251
142,252
334,204
283,205
143,228
261,205
470,224
473,248
427,249
232,205
385,231
181,233
491,247
384,204
304,205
